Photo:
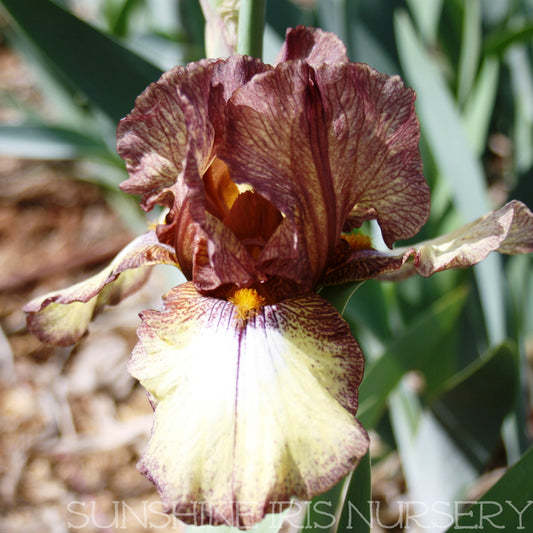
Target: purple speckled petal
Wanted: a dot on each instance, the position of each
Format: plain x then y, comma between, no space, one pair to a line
250,414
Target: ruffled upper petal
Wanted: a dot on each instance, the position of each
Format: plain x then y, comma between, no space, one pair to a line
169,143
313,45
329,147
62,317
247,413
152,139
175,118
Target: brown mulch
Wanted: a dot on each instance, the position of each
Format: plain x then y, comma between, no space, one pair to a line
73,423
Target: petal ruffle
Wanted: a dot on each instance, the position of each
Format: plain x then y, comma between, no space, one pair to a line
313,45
179,110
155,137
168,142
323,146
62,317
247,414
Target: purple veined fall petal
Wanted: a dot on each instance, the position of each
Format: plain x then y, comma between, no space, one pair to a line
250,413
62,317
519,238
329,147
313,45
508,230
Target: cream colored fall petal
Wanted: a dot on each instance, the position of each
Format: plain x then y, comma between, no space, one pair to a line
508,230
247,415
62,317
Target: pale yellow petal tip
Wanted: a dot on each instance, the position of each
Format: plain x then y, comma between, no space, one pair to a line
63,317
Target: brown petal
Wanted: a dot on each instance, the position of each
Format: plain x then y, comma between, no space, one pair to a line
313,45
326,145
169,141
180,109
153,138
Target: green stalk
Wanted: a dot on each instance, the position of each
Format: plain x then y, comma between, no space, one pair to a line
251,27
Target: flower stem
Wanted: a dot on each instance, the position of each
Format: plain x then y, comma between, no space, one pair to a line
251,27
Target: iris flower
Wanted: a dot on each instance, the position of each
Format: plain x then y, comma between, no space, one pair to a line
265,173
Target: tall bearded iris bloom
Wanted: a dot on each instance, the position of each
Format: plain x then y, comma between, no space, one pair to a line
265,171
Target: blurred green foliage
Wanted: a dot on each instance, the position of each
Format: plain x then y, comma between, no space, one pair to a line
448,382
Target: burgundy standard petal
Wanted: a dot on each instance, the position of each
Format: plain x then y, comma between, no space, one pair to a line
169,115
169,143
312,45
152,139
323,146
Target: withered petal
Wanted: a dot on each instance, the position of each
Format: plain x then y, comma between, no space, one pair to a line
247,415
62,317
508,230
